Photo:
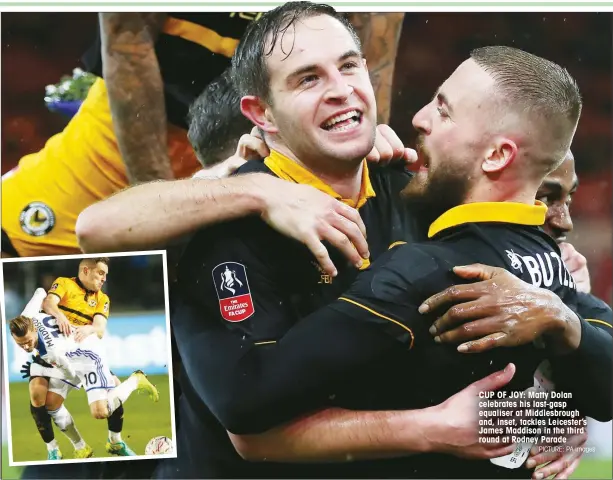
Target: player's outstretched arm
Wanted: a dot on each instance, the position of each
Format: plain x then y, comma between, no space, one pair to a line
338,435
30,369
63,369
136,92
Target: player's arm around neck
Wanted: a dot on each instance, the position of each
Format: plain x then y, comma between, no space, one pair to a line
136,92
155,214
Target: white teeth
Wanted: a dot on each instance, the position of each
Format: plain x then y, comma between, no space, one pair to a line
345,127
341,117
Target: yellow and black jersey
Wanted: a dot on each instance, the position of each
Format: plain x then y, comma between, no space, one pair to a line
247,281
79,304
192,50
43,196
370,349
249,251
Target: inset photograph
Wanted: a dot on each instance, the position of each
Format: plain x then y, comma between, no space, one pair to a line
87,357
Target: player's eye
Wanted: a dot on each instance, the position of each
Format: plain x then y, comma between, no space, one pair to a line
307,80
349,65
442,112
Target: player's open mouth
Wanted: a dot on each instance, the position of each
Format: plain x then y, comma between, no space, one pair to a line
343,121
423,158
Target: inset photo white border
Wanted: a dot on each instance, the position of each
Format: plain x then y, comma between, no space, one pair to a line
7,373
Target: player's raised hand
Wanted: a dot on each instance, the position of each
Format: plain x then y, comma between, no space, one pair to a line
456,429
310,216
500,310
577,266
251,146
561,461
388,147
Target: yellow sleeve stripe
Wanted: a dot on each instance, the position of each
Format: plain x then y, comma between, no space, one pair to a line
203,36
395,244
265,343
598,321
380,315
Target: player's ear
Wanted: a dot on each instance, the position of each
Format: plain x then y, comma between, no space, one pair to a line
499,156
259,112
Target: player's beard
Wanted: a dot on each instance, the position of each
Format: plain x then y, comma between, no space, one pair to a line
444,187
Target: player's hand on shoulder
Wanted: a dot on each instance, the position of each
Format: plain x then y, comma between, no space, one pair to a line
251,146
310,216
577,266
388,148
500,310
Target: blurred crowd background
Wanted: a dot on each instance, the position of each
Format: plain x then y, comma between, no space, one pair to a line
134,283
37,49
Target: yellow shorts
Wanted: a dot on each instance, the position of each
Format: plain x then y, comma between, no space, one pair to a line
43,196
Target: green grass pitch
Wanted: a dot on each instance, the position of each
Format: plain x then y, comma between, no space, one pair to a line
588,468
143,420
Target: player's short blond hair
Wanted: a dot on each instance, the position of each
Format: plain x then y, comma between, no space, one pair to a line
92,262
21,326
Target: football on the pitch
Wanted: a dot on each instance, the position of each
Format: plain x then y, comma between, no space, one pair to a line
158,446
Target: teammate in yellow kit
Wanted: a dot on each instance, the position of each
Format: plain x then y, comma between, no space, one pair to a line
131,127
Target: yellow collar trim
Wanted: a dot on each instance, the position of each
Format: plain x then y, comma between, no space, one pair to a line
504,212
287,169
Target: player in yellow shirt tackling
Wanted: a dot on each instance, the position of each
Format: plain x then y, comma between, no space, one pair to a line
81,309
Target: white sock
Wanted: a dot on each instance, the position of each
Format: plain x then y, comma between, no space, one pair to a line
115,437
79,445
120,394
63,419
52,445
